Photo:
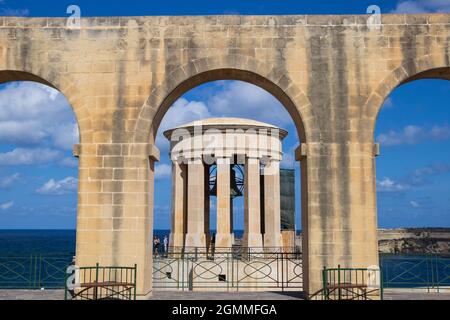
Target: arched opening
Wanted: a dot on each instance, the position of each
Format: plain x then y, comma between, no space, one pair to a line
413,174
38,182
230,74
231,94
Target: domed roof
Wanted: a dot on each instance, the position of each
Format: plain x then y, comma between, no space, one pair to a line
225,123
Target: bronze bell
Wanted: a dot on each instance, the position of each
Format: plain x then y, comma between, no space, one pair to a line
234,190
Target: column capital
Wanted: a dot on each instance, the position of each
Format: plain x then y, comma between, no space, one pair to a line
301,152
252,160
194,160
76,150
376,150
268,162
223,160
153,153
179,160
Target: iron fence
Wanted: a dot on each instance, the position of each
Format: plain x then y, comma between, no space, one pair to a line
34,271
227,269
430,272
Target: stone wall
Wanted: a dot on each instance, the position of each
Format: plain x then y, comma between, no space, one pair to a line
410,240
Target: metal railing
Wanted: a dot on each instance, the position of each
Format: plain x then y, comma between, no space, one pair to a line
34,271
430,272
350,284
102,283
416,271
227,269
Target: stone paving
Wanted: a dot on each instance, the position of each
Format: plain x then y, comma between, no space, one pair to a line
267,296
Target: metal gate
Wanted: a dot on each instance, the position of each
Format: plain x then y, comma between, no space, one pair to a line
228,270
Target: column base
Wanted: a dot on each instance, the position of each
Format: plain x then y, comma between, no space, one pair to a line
253,240
195,240
288,240
223,240
176,240
272,240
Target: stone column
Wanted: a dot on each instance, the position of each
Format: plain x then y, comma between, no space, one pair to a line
252,219
115,209
224,227
207,206
272,218
195,236
340,225
179,180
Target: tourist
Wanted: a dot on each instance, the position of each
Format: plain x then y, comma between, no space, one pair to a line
156,243
166,245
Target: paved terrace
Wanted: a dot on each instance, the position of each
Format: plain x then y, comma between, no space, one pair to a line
59,295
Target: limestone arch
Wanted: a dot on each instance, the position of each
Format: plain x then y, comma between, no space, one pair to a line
274,80
427,67
69,91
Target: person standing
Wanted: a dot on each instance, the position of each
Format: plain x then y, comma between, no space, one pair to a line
156,243
166,245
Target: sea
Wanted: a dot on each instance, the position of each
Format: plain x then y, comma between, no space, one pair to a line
50,242
22,252
44,242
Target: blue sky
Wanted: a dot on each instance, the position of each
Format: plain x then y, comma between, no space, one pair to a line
38,173
202,7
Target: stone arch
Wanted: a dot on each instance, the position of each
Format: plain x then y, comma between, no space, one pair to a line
273,79
427,67
69,91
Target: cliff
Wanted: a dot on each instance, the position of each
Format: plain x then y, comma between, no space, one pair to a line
410,240
414,240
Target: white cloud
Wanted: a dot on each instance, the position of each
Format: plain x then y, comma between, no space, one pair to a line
7,182
422,6
414,204
22,156
31,113
181,112
162,210
57,188
388,103
163,171
420,176
65,136
70,162
22,132
244,100
388,185
411,135
14,12
6,206
416,178
288,161
438,133
233,99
